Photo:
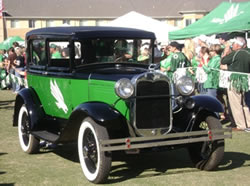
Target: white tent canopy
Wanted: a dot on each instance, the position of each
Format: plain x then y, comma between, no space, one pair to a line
139,21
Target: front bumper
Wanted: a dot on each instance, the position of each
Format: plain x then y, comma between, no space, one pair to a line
167,140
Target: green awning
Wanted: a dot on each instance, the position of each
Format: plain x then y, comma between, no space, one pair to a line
227,17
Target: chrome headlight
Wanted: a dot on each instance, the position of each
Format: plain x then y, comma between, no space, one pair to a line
185,86
124,88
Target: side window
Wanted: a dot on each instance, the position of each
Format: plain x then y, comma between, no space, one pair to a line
59,53
78,53
38,54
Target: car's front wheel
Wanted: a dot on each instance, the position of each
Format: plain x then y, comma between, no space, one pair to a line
28,142
94,162
207,155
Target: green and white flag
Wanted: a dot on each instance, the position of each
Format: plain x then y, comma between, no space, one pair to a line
227,79
224,79
11,78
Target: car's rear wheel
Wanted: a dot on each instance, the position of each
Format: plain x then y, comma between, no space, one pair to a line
95,163
28,142
207,155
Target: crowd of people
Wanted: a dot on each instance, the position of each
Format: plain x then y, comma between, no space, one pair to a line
13,61
228,54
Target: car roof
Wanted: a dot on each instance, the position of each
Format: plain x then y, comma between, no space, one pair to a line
93,32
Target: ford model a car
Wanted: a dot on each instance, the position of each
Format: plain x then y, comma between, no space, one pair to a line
97,86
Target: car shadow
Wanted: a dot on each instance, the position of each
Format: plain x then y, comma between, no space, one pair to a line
151,164
67,151
233,160
168,163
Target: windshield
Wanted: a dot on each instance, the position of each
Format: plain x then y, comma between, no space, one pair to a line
114,50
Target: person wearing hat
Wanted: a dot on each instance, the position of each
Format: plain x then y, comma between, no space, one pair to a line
238,61
144,56
178,59
223,38
55,54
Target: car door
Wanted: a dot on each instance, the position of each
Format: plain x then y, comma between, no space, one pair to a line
50,77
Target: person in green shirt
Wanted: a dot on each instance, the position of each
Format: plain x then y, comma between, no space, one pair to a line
178,59
55,54
166,63
238,61
212,83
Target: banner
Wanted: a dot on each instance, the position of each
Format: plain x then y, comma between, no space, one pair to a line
227,79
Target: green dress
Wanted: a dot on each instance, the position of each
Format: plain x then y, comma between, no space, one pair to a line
165,63
212,75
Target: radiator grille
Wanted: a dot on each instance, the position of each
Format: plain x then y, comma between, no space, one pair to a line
152,113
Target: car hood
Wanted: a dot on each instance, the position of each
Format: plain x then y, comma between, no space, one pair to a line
116,71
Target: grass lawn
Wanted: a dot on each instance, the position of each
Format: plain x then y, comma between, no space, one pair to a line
61,166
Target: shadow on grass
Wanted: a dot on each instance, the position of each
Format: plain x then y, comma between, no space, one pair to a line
6,102
5,105
2,172
233,160
163,164
151,164
7,184
68,151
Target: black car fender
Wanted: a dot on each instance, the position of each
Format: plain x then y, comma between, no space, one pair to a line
102,113
184,117
28,97
205,106
208,102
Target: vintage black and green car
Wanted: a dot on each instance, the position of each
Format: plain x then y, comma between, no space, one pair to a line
99,87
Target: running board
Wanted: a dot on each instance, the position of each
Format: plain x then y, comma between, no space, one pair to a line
45,135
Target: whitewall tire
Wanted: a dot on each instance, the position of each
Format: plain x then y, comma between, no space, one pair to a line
95,163
28,142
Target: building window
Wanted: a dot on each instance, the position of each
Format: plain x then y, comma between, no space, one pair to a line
83,23
101,23
66,22
188,22
162,20
49,23
14,24
178,23
32,23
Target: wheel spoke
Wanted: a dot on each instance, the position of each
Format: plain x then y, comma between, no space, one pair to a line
90,149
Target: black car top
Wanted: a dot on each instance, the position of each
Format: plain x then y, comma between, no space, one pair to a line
93,32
